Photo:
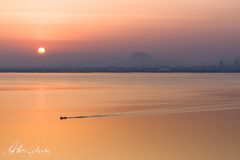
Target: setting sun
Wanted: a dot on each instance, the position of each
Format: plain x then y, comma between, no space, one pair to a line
41,50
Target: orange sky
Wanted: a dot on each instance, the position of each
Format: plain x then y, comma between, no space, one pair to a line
88,20
63,25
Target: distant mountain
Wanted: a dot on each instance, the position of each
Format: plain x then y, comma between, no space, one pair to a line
77,60
142,59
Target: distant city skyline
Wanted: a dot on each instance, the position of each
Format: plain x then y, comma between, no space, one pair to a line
136,62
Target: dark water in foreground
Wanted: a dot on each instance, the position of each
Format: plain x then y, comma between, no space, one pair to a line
162,116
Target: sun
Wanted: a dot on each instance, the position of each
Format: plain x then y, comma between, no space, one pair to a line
41,50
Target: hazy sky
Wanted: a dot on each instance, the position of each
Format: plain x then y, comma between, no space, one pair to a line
176,30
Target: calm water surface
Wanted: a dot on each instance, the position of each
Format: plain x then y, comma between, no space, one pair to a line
165,116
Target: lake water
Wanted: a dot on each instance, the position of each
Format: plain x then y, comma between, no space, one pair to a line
160,116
